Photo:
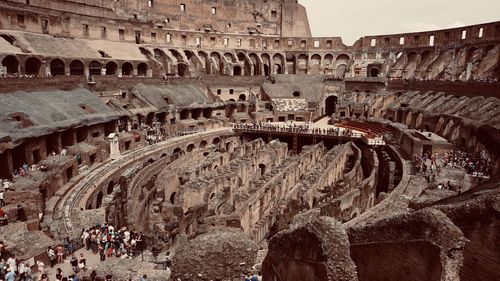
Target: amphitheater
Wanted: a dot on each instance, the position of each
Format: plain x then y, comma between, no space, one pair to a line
235,141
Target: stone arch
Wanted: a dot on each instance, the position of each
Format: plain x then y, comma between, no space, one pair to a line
95,68
303,62
57,67
98,201
328,60
76,67
165,60
110,188
330,105
190,147
182,69
176,55
203,144
374,72
242,58
11,63
229,57
279,64
315,64
237,70
216,60
291,63
142,69
127,69
111,68
32,66
205,61
216,141
340,71
177,150
266,62
256,64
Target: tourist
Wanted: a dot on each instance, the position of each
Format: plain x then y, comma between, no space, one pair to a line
74,263
60,253
144,277
82,263
11,275
2,199
52,256
41,267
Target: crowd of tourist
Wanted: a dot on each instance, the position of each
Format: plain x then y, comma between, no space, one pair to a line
107,241
479,166
294,128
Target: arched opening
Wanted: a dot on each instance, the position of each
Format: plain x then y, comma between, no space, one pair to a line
266,70
182,69
190,148
340,71
11,63
98,202
32,66
142,69
278,62
242,97
374,72
177,150
237,70
203,144
296,94
207,113
184,114
330,105
127,69
111,68
315,64
262,169
95,68
217,62
278,69
216,141
111,185
256,64
76,68
56,67
172,198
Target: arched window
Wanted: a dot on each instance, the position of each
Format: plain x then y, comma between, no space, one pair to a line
56,67
11,63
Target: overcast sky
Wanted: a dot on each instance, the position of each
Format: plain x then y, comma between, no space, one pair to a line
354,19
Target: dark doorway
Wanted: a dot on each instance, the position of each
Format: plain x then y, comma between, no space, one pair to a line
266,70
237,71
427,149
76,68
95,68
36,156
98,202
18,156
142,69
262,168
111,68
32,66
182,69
172,198
111,185
127,69
374,72
11,63
69,173
330,105
56,67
